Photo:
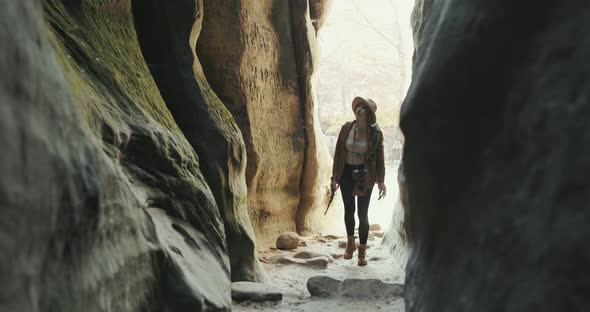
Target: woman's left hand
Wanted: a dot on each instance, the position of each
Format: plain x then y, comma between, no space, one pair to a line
382,190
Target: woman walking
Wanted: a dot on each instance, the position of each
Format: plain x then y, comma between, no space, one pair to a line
358,165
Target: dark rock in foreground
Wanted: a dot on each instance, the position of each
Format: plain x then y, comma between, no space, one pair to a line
324,286
497,157
255,292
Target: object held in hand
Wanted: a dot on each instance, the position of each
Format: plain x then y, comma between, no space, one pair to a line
333,192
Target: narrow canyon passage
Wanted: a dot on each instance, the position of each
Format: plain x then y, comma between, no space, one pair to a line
362,51
177,155
172,155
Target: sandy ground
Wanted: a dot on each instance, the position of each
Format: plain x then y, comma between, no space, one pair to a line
291,280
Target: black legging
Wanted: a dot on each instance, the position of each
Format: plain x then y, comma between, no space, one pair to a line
363,205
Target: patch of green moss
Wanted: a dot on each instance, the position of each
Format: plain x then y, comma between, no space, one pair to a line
96,43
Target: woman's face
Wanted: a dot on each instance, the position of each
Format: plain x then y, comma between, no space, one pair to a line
361,112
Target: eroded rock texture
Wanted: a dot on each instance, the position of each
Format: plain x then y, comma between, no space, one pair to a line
496,157
124,184
104,204
396,237
263,74
168,32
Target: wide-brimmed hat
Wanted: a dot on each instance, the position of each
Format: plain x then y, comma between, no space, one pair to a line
360,100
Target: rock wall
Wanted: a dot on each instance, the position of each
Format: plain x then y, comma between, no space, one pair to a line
121,217
314,184
125,185
168,32
263,75
496,156
396,237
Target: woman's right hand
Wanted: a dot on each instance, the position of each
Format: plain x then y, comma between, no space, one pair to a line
334,186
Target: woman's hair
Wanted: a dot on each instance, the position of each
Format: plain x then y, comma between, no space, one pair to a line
374,132
372,123
371,117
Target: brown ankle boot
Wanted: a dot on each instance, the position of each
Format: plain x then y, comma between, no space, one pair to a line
350,248
362,255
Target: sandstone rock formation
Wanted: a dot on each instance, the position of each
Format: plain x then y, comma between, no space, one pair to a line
167,33
496,157
263,75
125,183
104,196
313,253
320,261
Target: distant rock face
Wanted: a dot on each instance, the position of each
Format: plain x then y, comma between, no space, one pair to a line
496,155
263,75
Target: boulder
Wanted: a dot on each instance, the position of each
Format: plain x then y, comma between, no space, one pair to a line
287,241
367,288
320,261
374,227
254,292
308,254
323,286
